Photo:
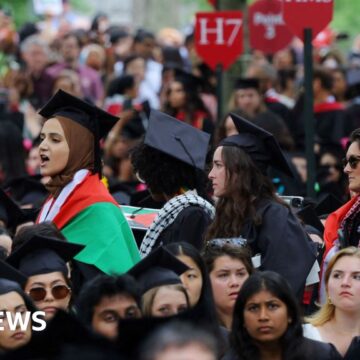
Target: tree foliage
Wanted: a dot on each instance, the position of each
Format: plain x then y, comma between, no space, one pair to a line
23,11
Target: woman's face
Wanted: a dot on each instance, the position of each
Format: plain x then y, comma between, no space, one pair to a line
230,128
191,279
168,302
65,84
57,295
339,83
33,160
217,174
227,277
12,339
108,312
248,100
332,164
53,149
120,148
344,284
353,174
177,95
300,164
137,69
265,317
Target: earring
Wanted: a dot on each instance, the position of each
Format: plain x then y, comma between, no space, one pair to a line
289,321
329,301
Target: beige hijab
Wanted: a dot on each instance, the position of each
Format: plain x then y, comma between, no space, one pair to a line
81,156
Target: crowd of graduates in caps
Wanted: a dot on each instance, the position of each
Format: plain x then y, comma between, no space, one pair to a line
236,262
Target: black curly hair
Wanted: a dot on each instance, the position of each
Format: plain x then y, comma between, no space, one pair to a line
163,173
102,286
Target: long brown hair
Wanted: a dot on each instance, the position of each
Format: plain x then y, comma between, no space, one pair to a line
243,254
245,187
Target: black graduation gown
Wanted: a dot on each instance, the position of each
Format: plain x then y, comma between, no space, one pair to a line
353,116
330,126
311,349
353,352
282,111
330,123
190,226
282,242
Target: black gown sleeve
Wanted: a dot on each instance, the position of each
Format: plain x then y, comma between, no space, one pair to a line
190,226
284,246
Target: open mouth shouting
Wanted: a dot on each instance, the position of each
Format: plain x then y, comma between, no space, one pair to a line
43,160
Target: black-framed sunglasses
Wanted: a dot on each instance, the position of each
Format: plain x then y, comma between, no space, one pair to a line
59,292
219,243
352,160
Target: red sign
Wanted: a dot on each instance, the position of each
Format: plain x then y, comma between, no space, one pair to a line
219,37
268,31
302,14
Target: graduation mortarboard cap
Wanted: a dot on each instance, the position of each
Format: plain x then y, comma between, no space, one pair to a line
259,144
159,268
12,214
9,273
27,190
42,255
309,217
12,280
327,205
96,120
7,286
80,111
247,83
177,139
190,82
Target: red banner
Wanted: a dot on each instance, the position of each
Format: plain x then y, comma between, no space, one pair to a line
268,31
302,14
219,37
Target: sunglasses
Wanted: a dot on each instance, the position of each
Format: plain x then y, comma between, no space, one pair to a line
58,292
219,243
352,160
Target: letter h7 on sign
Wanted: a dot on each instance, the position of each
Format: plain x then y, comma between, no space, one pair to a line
219,37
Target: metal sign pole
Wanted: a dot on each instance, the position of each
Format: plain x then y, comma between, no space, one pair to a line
309,114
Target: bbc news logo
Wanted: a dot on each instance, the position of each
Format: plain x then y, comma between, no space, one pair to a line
22,320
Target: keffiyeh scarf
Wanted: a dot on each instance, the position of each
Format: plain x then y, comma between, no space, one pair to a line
168,214
348,221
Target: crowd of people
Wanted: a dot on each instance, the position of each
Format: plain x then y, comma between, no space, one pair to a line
236,263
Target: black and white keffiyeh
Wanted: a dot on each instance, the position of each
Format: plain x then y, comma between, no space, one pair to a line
168,214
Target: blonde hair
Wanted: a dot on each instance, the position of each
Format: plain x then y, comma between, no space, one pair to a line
147,299
327,311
